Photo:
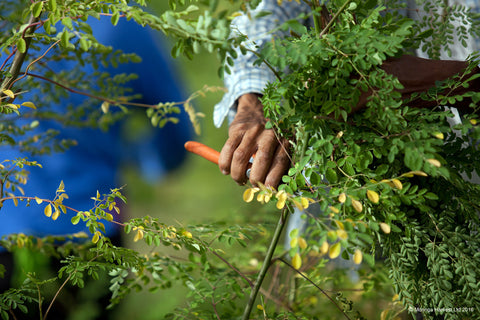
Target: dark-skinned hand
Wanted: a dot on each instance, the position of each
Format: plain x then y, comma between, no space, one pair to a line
247,134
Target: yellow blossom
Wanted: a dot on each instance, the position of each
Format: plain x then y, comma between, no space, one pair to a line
357,256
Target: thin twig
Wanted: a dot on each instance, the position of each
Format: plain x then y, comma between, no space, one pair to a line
250,283
330,23
266,263
35,61
277,75
56,295
315,285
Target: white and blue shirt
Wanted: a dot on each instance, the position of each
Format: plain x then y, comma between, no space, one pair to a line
247,78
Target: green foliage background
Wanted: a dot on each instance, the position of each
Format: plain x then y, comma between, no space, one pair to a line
198,194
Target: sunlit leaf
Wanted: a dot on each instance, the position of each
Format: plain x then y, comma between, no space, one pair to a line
29,104
434,162
48,210
9,93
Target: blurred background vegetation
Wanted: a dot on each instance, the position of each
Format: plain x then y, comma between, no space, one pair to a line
195,193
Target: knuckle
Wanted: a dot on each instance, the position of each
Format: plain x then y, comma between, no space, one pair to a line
240,155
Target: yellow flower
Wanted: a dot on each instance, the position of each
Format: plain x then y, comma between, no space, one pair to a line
397,183
357,205
249,193
282,197
434,162
385,227
357,256
373,196
335,250
324,247
297,261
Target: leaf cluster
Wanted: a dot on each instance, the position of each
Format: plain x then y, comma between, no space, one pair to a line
389,180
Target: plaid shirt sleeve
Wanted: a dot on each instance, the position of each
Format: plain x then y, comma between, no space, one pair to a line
244,77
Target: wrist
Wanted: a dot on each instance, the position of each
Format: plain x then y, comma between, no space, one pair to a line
249,102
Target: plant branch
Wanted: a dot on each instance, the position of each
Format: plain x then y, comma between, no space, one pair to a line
116,102
316,21
35,61
277,75
111,101
19,56
330,23
56,295
266,263
250,283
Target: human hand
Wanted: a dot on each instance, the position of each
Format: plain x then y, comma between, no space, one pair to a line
247,136
418,75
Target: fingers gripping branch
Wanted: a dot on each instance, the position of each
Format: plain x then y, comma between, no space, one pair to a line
248,136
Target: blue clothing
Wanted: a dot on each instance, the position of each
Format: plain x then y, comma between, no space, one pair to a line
94,163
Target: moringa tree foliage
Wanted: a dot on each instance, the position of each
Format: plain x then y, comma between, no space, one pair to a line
392,181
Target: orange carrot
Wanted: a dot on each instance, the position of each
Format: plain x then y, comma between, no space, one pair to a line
203,151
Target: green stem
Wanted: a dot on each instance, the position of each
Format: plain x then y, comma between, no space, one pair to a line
277,75
330,23
266,263
316,18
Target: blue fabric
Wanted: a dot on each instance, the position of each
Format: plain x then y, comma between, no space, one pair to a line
95,162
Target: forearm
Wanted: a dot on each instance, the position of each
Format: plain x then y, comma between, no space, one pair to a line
244,77
418,75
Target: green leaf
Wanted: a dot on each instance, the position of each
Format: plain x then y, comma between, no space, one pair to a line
75,220
36,8
115,17
21,45
53,5
64,38
331,176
